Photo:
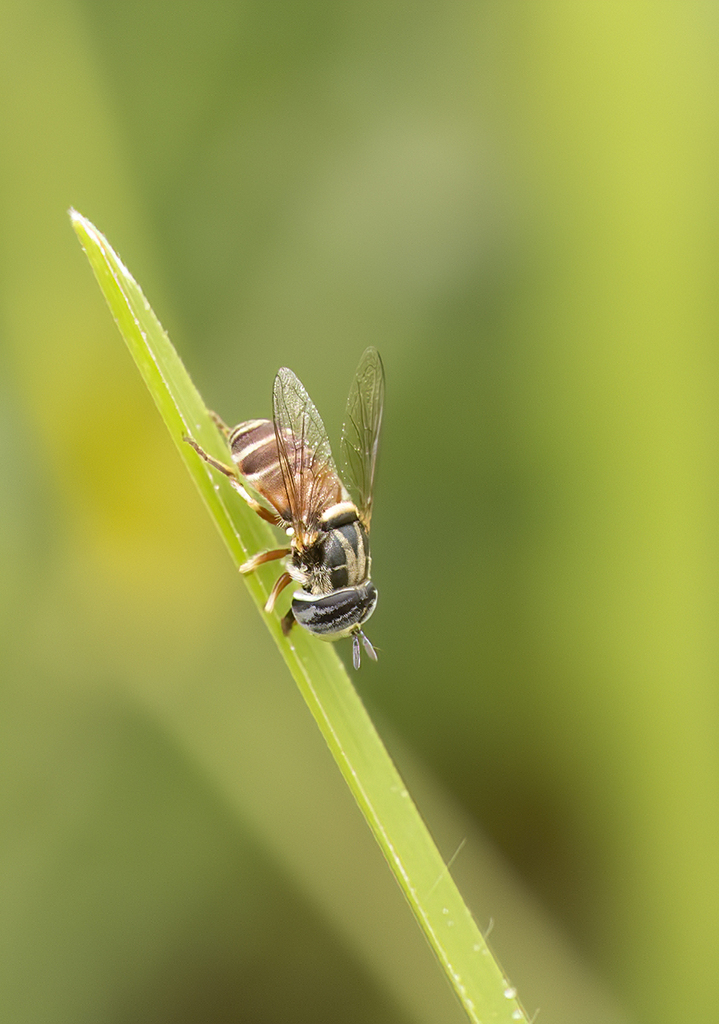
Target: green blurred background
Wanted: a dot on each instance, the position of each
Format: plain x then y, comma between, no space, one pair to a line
517,204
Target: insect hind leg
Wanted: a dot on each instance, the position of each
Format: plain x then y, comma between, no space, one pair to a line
219,423
231,473
210,459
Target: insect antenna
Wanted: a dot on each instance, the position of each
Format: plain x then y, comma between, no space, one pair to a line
371,652
356,650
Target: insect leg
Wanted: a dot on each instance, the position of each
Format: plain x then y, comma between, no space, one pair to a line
280,584
215,463
262,512
231,474
219,423
263,556
288,622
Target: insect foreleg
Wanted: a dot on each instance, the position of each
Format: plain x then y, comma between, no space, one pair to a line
280,583
288,622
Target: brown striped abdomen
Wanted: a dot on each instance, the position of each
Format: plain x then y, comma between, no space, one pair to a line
254,451
315,487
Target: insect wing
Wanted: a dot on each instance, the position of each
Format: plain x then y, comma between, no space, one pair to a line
360,433
308,469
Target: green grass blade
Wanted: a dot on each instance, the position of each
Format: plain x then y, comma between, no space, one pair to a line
367,768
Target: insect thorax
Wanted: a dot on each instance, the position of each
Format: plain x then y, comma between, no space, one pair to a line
339,557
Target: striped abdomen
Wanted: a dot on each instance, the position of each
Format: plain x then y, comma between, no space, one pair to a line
254,451
312,488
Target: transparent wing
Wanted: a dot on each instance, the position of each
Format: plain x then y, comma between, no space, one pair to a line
360,434
308,469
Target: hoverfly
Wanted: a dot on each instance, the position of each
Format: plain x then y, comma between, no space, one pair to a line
288,461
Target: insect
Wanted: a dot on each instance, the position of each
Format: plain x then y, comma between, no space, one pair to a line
288,462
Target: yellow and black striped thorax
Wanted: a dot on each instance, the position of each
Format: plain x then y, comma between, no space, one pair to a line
337,595
343,549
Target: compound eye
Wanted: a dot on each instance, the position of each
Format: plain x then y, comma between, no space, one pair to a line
337,614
